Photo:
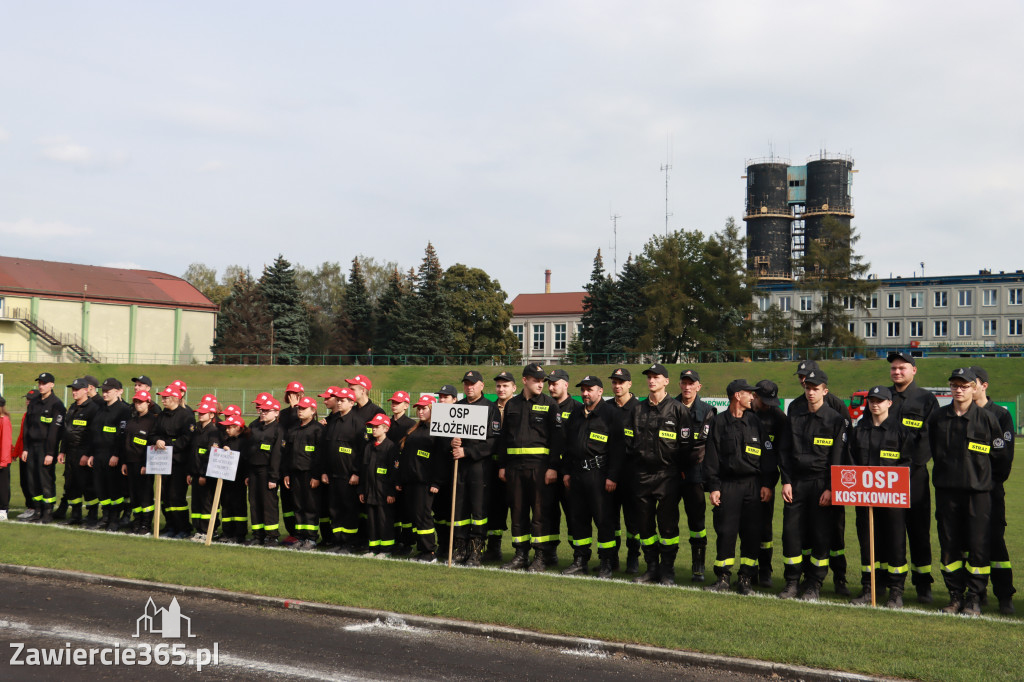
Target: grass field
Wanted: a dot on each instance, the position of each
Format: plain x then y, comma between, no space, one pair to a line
915,643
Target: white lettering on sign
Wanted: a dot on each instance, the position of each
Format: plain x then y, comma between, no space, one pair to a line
159,462
878,486
223,464
459,421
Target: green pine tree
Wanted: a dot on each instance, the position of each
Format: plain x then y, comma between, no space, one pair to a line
290,330
390,311
596,319
357,323
427,320
243,326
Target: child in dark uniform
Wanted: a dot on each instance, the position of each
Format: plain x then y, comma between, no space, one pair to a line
377,486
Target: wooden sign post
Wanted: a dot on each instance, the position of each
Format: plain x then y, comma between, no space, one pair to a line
223,464
158,463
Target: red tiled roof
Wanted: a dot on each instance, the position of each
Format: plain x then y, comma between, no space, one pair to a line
47,279
570,303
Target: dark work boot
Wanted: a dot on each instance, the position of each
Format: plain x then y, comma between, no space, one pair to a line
971,606
632,556
651,574
721,584
605,569
697,566
76,515
114,519
47,516
789,591
62,509
744,586
667,568
578,566
1006,606
520,561
864,599
839,581
91,520
813,591
956,602
459,551
895,598
764,567
539,563
474,552
493,552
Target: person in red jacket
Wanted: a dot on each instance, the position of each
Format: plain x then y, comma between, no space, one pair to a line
5,459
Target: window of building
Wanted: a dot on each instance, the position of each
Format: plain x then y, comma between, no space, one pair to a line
538,337
785,303
964,328
579,330
873,301
560,336
763,303
849,302
1015,327
989,297
916,299
1016,297
2,346
941,329
964,297
893,300
941,299
852,327
892,329
989,327
517,329
916,328
806,304
870,330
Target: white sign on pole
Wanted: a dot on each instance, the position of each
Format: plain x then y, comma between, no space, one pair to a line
223,464
159,461
459,421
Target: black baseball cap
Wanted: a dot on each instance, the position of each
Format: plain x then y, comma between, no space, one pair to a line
737,385
92,381
142,379
45,378
590,380
879,393
980,373
768,392
110,383
621,374
448,389
534,371
505,376
806,367
964,374
657,369
31,394
471,377
558,374
690,374
816,378
78,384
900,355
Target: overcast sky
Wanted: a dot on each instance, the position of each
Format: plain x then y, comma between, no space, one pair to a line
156,134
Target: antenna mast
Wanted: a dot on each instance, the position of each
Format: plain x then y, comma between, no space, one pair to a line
615,243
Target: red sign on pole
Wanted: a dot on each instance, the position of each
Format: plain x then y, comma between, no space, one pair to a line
871,486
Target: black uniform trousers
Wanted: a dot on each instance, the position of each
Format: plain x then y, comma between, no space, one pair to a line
234,509
1002,570
420,502
174,493
890,547
324,513
497,507
202,503
41,478
767,546
590,503
964,533
345,509
441,508
695,506
626,508
919,528
262,503
287,508
534,505
79,485
805,524
141,487
5,487
106,485
380,526
738,513
656,500
24,478
306,504
471,503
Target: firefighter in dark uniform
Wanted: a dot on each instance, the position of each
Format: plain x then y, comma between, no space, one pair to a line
766,407
880,440
837,535
659,445
263,471
693,482
558,388
401,422
74,451
967,446
43,424
302,466
913,406
107,447
205,437
475,472
377,483
816,443
138,436
1002,570
174,428
342,447
594,450
497,509
289,417
530,450
626,402
738,456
